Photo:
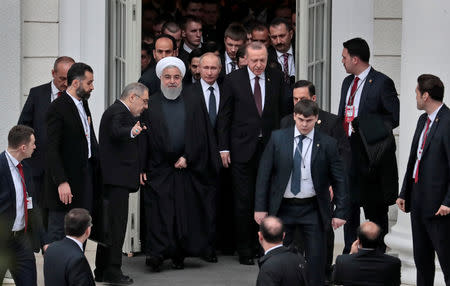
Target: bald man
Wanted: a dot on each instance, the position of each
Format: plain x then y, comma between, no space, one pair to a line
366,265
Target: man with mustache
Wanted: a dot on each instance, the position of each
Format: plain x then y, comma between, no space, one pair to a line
181,167
281,34
72,150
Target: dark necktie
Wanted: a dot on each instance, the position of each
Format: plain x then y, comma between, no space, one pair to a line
233,66
425,135
212,106
286,67
297,167
351,98
257,95
20,168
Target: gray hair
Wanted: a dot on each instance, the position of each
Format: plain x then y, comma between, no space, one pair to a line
211,54
134,87
255,46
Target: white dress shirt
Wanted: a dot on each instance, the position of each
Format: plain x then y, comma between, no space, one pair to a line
291,62
272,248
207,93
228,65
188,49
306,183
432,117
55,91
76,241
262,84
19,222
84,120
362,79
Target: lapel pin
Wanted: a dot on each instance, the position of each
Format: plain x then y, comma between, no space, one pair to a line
318,144
370,80
268,79
436,120
319,121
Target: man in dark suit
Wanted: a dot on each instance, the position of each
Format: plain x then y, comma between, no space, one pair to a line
21,230
282,53
119,163
33,115
254,101
279,265
234,38
191,32
426,186
296,169
366,264
193,72
331,125
72,150
64,262
165,46
367,92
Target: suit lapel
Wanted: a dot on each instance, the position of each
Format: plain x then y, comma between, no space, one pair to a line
420,126
433,129
288,151
268,92
250,92
315,147
12,190
73,108
366,90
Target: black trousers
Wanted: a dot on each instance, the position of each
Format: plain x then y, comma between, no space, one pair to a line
225,239
306,218
17,256
108,260
244,181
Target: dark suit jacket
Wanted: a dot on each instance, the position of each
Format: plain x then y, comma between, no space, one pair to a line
331,125
183,55
273,62
239,125
33,115
367,267
66,265
434,168
67,155
281,267
119,153
327,169
151,80
35,229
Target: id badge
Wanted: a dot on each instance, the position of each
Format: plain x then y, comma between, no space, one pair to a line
349,113
29,203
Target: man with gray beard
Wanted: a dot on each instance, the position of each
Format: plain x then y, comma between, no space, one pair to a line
181,165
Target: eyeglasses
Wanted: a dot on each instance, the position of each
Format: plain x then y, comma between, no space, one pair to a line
144,100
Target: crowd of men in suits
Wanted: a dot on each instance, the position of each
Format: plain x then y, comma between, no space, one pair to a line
208,135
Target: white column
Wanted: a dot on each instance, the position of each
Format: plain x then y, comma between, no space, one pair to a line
425,43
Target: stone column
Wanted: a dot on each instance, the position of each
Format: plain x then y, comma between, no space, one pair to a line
425,43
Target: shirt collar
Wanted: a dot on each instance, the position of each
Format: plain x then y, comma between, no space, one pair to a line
75,100
227,58
124,104
310,135
433,115
205,86
54,89
12,159
76,241
187,48
289,52
272,248
252,75
364,74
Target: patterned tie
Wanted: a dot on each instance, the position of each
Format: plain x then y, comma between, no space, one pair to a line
425,135
257,95
297,167
286,67
351,98
212,106
20,168
233,66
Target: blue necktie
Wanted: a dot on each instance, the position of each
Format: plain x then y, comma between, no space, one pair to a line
297,167
212,106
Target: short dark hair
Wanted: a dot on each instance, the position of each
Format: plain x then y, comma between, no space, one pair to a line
241,52
431,84
236,32
368,240
272,233
358,47
77,71
196,53
19,135
171,26
174,42
148,48
210,47
306,107
62,59
259,27
278,21
76,222
188,19
185,3
308,84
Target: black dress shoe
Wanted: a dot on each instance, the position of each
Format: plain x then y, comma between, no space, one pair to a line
246,261
178,263
121,280
212,258
154,262
98,278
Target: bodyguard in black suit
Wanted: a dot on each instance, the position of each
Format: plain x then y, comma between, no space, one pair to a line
366,264
293,184
367,92
254,101
426,186
33,115
72,150
120,168
235,37
279,265
21,230
64,261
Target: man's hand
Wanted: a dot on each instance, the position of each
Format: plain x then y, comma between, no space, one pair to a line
142,178
181,163
45,248
65,195
443,210
226,161
337,222
331,193
401,204
259,216
137,129
354,248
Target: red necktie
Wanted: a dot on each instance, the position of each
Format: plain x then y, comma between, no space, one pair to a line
19,167
425,134
286,67
257,95
59,93
351,98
